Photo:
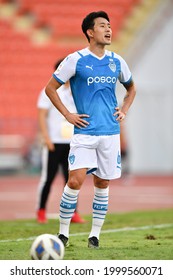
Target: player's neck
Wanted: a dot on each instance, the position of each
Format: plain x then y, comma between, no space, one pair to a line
97,50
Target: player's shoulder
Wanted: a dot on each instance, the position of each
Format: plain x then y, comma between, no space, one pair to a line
75,56
115,55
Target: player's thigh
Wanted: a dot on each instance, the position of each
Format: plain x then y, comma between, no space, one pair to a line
83,152
108,158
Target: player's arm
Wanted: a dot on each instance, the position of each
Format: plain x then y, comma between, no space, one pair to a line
42,120
129,96
51,91
128,100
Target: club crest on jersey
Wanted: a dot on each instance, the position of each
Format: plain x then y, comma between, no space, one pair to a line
71,159
112,65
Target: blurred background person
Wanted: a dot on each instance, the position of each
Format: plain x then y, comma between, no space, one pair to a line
56,133
124,150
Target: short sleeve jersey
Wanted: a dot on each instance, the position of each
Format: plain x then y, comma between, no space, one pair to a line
93,84
60,131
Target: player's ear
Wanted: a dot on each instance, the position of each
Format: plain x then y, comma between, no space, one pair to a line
90,33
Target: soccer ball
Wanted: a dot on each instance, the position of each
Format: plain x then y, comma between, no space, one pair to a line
47,247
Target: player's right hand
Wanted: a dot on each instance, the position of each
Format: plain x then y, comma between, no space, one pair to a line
77,119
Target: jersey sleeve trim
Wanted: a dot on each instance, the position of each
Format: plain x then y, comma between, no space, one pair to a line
57,79
127,82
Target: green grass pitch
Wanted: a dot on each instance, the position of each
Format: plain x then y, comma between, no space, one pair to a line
144,235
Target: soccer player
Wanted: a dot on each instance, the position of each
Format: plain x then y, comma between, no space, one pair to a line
56,132
95,146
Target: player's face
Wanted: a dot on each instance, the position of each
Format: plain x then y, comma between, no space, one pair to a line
102,32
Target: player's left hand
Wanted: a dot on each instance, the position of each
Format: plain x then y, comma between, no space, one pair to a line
120,115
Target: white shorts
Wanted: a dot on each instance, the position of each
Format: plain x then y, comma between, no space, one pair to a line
99,154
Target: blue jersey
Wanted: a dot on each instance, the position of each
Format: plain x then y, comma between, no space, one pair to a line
93,84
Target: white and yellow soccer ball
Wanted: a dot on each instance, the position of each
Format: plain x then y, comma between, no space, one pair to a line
47,247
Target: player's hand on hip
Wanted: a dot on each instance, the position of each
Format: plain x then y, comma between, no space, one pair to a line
120,115
77,119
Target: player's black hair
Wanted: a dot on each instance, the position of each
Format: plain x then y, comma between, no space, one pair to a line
88,22
58,63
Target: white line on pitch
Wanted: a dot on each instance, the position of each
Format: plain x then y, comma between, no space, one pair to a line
103,231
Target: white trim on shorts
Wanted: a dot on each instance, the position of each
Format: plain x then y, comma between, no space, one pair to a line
101,153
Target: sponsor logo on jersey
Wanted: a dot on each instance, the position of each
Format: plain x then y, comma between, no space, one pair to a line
112,65
101,79
90,67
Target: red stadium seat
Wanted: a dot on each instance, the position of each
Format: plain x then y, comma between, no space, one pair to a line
26,67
